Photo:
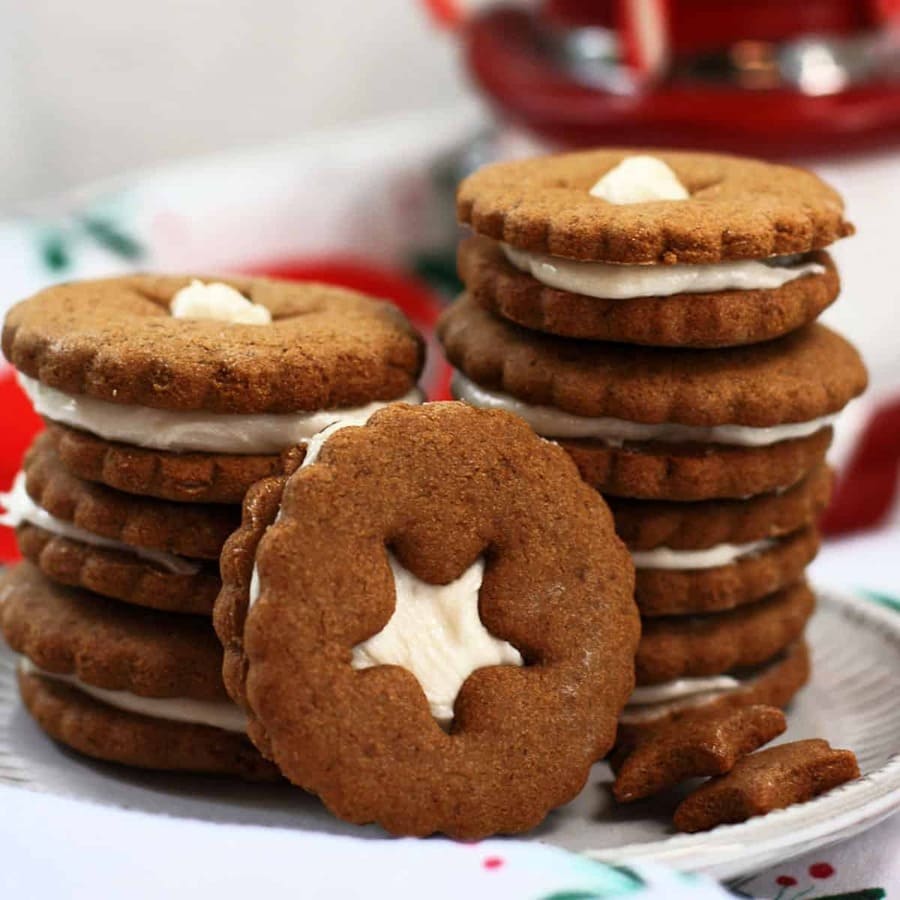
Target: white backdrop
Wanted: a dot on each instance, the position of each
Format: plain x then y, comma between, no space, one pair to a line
94,87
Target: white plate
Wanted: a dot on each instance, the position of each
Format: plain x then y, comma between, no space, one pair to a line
852,701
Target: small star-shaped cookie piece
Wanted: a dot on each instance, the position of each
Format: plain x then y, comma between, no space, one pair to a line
765,781
693,746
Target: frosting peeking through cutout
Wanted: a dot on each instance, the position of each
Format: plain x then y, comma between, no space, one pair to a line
639,179
218,301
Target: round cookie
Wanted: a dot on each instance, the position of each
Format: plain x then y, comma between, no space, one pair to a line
693,472
647,524
660,423
737,209
92,664
442,486
181,477
697,646
115,340
101,731
775,683
672,592
194,530
711,319
120,574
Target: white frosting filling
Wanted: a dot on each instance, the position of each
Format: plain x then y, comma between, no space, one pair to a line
650,695
218,301
218,713
649,702
435,631
194,431
21,508
639,179
610,281
555,423
710,558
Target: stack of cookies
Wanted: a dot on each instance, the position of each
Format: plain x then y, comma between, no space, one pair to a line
165,399
655,315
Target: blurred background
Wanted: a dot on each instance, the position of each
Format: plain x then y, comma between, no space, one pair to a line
314,139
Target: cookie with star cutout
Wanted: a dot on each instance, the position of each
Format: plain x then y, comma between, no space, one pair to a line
430,622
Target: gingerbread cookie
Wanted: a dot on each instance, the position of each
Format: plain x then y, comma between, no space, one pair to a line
192,530
687,208
176,585
690,646
182,477
765,781
357,691
678,582
189,390
649,525
521,288
702,744
658,423
774,683
123,684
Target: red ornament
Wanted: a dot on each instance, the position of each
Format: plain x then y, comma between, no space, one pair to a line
785,881
493,862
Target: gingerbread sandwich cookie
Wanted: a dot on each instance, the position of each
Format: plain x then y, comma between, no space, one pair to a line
773,683
138,549
189,389
430,623
656,248
662,424
124,684
676,647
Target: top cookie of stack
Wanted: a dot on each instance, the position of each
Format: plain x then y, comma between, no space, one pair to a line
591,245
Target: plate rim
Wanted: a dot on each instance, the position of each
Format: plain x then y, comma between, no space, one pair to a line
730,851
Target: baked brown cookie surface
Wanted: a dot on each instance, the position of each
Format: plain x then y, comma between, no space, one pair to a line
693,472
107,644
713,319
775,683
180,477
442,486
765,781
646,524
673,592
737,209
104,732
193,530
799,378
690,646
120,574
115,340
702,744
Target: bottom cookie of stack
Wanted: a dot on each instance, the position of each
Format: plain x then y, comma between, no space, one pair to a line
123,684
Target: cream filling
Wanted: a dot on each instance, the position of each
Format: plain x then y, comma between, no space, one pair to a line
654,694
555,423
611,281
710,558
21,508
639,179
648,702
217,713
435,631
194,431
217,301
